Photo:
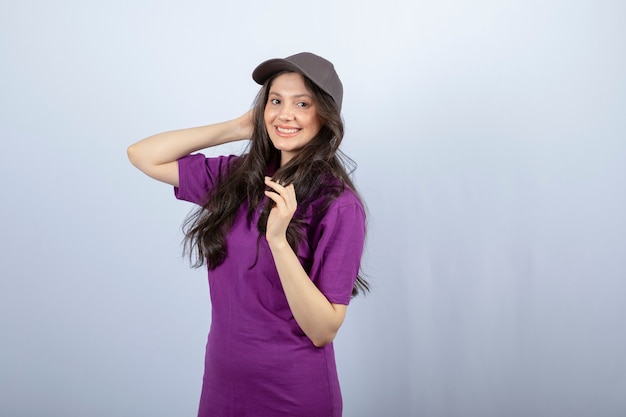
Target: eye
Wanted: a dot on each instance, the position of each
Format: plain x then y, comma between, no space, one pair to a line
274,101
303,104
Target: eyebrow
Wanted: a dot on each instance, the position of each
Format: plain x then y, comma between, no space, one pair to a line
294,96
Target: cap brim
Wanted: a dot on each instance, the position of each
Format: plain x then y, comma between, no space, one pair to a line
270,67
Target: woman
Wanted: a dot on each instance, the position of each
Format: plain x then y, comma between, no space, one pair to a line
281,230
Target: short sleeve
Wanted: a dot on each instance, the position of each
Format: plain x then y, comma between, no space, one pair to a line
340,238
197,175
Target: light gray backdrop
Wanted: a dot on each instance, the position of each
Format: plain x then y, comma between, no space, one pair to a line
492,156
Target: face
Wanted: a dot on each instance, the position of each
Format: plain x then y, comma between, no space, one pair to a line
290,115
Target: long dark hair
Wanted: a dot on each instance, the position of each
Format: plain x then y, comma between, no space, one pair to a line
319,169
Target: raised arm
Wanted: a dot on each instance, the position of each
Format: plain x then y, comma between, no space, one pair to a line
157,156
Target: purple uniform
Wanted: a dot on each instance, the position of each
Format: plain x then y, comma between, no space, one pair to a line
258,360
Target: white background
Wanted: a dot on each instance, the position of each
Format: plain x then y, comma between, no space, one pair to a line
492,156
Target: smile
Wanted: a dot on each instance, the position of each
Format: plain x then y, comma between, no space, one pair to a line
288,131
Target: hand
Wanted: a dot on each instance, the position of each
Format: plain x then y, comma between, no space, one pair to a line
282,213
245,124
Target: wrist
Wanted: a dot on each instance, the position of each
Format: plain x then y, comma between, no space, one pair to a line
241,127
278,244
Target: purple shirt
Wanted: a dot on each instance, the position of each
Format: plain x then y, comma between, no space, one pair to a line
258,361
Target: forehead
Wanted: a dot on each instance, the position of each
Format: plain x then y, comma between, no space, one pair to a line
289,83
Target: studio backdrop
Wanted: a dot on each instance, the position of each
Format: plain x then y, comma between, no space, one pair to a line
491,153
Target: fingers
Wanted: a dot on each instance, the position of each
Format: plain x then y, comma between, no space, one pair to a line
281,194
284,197
284,190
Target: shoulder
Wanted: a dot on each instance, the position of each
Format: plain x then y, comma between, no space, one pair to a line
199,174
346,201
339,194
199,159
211,168
347,206
348,197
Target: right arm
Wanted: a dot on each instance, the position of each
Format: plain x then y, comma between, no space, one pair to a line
157,156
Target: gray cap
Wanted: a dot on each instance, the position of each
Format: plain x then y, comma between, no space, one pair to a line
317,69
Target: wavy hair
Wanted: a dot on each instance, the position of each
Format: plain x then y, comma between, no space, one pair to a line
312,171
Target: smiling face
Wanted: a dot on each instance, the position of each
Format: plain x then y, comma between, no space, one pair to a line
290,115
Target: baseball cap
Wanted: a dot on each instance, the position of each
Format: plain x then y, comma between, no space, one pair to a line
317,69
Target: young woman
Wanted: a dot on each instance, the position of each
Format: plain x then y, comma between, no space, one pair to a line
281,230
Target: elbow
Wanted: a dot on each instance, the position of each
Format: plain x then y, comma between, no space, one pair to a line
320,344
320,341
324,334
138,157
131,152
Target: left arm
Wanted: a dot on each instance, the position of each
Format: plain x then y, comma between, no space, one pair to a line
317,317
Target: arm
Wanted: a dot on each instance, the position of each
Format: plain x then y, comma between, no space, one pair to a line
157,156
317,317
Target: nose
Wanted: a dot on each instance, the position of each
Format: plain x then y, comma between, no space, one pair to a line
286,113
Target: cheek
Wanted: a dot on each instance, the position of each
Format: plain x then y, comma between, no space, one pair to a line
268,115
267,122
317,123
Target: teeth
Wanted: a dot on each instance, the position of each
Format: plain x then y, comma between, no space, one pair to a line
281,130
